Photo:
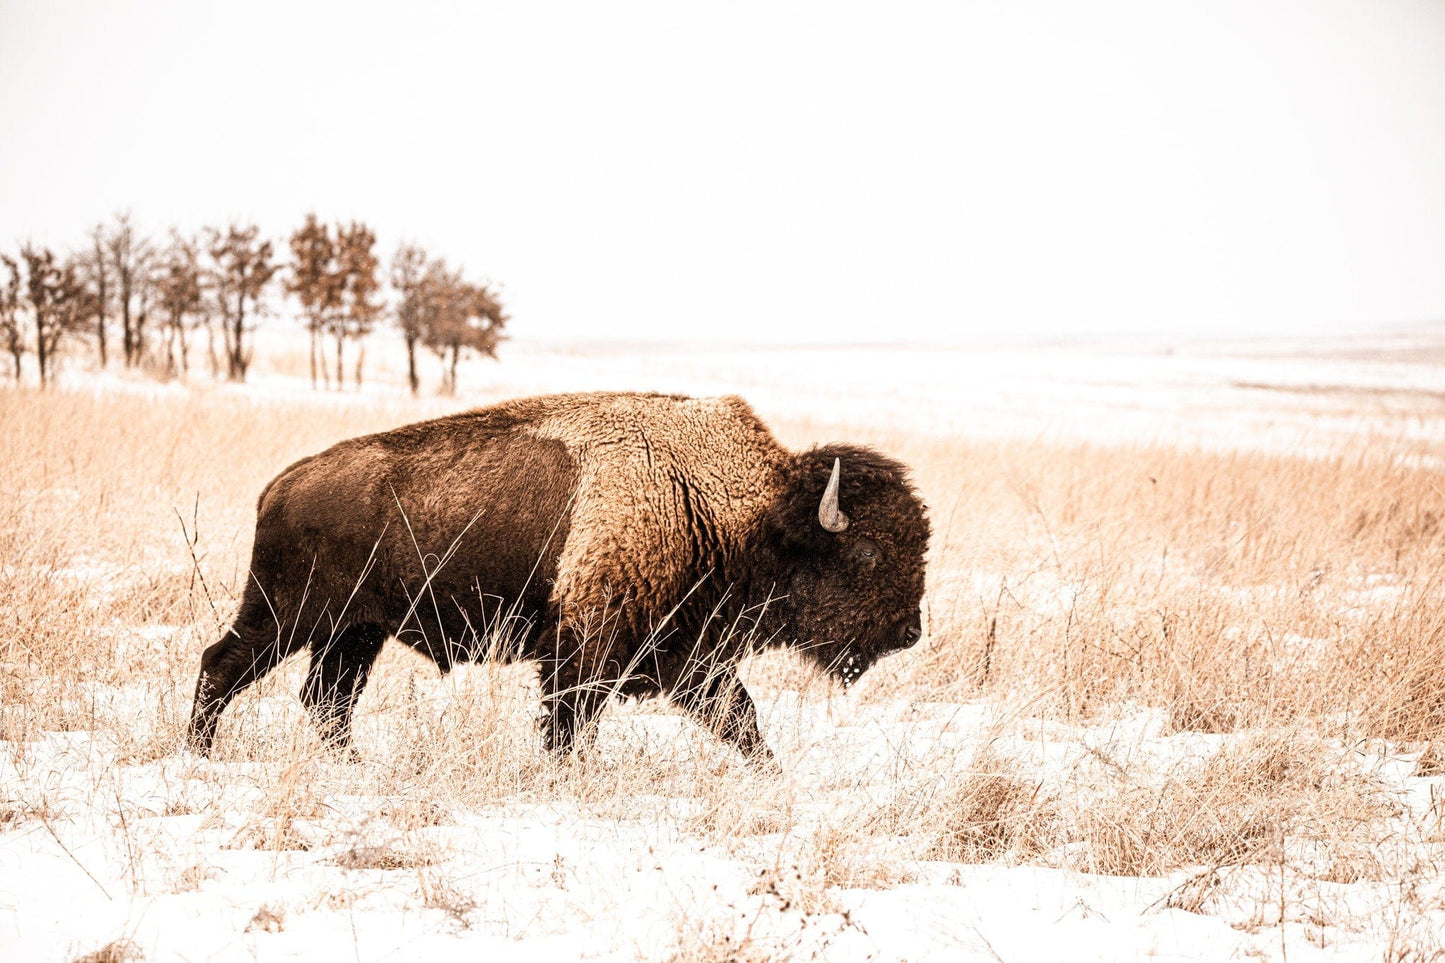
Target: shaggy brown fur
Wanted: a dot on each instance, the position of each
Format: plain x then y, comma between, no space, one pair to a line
629,543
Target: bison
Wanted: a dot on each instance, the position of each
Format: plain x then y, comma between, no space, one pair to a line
632,544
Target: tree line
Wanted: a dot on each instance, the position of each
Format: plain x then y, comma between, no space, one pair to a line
163,298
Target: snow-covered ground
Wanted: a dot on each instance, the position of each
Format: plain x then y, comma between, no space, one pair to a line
1268,394
662,845
190,859
1209,395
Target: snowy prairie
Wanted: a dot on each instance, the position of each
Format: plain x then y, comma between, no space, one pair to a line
1178,697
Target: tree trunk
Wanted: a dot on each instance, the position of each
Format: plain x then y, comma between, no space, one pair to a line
100,286
226,339
456,350
140,324
411,363
15,352
127,336
41,354
236,363
170,349
360,358
340,345
313,356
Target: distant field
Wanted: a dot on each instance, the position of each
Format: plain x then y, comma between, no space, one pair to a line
1179,692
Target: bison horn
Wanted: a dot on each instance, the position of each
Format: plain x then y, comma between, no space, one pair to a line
830,516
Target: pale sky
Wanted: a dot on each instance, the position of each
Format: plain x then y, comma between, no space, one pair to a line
776,171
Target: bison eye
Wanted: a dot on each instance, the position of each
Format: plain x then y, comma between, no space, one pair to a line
864,552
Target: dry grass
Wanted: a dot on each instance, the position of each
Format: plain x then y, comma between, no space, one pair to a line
994,813
1238,806
118,951
1274,611
1232,589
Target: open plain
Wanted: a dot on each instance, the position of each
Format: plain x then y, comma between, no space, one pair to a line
1179,694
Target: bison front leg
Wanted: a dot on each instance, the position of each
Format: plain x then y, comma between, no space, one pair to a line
571,705
714,696
338,674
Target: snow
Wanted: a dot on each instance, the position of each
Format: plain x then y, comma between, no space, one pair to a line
187,858
180,856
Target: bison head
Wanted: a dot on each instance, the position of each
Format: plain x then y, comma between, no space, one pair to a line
851,533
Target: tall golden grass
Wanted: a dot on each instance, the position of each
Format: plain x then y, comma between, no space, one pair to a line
1282,610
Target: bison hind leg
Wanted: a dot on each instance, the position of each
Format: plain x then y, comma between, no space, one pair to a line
250,648
339,670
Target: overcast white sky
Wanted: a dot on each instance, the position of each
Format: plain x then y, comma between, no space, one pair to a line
777,171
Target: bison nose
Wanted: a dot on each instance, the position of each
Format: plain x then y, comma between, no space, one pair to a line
912,634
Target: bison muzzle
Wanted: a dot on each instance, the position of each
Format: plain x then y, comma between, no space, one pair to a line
630,544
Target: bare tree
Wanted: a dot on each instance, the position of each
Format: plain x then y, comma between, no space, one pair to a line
181,299
10,329
129,257
459,317
94,267
42,283
144,297
316,282
358,306
59,304
241,270
408,270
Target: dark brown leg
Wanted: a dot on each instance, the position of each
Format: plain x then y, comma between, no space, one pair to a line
251,648
716,700
572,706
338,674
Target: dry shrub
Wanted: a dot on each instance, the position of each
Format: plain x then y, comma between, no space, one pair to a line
1391,672
714,941
1350,862
838,856
761,808
794,886
472,735
384,856
117,951
1431,761
411,812
282,821
1238,806
1194,894
193,877
267,919
1413,931
280,835
994,813
16,812
440,892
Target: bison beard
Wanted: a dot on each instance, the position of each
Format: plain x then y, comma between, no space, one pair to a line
629,544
